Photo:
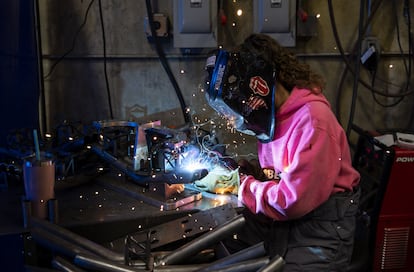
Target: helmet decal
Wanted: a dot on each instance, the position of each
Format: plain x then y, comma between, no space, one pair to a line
256,103
259,86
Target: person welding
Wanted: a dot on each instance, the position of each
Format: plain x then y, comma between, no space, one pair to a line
304,204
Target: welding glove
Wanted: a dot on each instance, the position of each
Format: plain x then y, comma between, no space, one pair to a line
220,180
251,168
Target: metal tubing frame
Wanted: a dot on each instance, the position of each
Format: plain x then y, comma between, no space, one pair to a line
62,264
96,263
77,240
275,265
246,266
202,242
57,244
249,253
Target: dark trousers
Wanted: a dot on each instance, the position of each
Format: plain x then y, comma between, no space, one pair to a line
320,241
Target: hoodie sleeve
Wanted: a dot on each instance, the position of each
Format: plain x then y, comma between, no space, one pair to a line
312,164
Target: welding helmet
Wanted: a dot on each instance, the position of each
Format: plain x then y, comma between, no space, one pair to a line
243,92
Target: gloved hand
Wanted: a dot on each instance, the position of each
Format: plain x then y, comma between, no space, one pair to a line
252,168
220,180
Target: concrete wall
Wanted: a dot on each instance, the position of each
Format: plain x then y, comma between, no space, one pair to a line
138,87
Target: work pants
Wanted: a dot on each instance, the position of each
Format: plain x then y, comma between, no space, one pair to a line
320,241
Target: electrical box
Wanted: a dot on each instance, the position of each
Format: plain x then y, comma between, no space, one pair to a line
195,24
276,18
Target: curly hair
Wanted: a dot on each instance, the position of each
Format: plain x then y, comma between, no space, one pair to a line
289,71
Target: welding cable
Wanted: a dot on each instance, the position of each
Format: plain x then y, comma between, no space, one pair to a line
164,62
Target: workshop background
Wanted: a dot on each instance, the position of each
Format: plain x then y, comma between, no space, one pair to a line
99,60
68,64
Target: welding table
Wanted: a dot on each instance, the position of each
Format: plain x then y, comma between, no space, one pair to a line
94,208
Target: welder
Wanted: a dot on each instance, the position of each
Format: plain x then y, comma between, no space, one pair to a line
304,204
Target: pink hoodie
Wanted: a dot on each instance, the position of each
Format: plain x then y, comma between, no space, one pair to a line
309,153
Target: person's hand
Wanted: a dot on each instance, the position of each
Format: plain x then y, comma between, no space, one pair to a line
220,180
252,168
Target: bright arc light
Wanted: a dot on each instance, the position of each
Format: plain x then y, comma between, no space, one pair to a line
192,166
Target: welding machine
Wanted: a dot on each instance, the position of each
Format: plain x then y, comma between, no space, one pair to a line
387,184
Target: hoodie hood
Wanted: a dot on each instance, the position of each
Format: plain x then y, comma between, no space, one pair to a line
297,99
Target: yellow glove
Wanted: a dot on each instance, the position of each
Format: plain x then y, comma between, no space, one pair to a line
220,181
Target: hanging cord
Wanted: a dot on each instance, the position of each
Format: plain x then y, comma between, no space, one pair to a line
406,66
85,18
347,67
164,62
42,98
347,63
108,91
357,69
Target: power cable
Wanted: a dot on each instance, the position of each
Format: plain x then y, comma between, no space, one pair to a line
164,62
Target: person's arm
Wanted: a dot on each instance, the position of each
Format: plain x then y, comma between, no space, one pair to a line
307,180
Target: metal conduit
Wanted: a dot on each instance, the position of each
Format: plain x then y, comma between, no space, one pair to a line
202,242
